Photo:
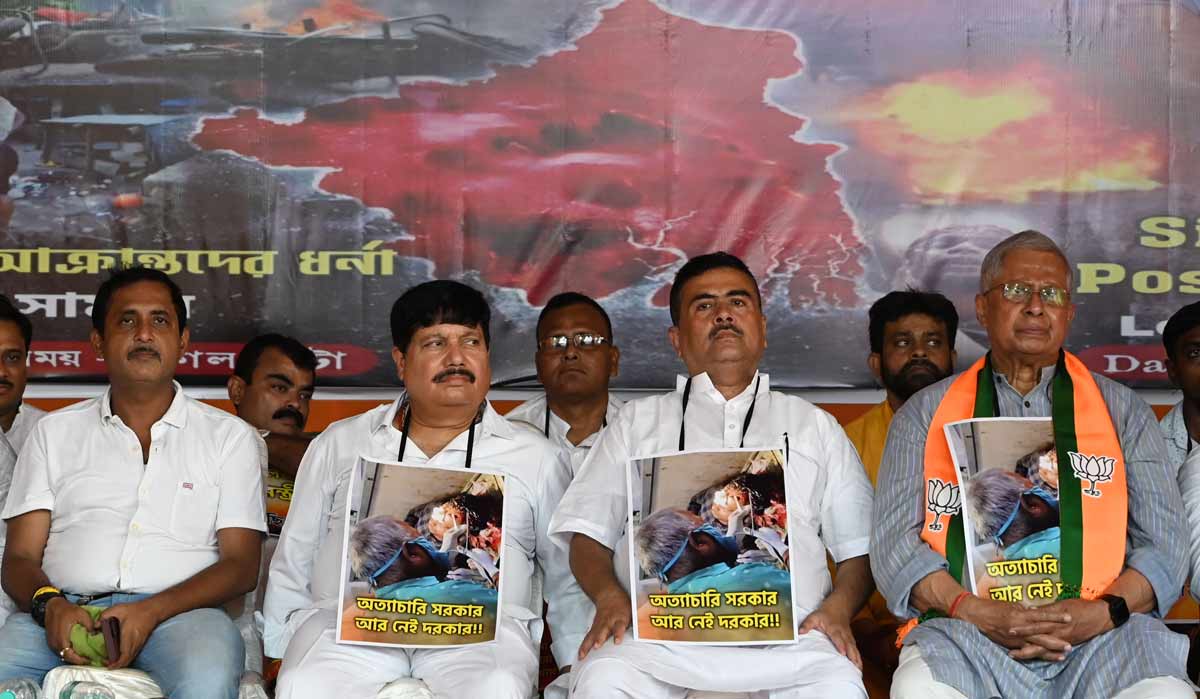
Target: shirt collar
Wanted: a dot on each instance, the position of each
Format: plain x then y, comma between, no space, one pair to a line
492,423
1176,426
702,384
176,415
1043,384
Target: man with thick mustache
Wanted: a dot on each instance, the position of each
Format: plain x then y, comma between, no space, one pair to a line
1121,559
440,335
271,388
16,418
911,337
719,330
143,501
16,335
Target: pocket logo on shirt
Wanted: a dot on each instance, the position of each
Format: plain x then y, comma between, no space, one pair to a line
188,486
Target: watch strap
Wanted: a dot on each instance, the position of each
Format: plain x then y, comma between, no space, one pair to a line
1118,610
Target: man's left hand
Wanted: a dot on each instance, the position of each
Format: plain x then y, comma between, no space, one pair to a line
137,621
837,627
1088,619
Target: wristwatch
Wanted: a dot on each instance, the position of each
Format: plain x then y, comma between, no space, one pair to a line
41,598
1118,611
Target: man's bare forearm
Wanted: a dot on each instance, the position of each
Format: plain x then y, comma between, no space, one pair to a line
592,566
852,586
229,578
937,590
1135,589
22,577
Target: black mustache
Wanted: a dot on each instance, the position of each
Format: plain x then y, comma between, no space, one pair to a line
149,350
453,371
289,412
925,363
721,328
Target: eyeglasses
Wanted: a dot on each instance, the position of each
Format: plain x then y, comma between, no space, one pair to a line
584,341
1021,292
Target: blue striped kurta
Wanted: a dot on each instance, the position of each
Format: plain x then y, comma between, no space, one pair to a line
1156,546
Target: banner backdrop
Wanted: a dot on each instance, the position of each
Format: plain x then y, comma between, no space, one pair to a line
296,164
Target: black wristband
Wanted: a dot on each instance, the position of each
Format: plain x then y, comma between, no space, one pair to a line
37,608
1118,611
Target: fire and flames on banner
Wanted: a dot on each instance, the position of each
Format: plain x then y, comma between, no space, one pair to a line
296,164
422,565
709,557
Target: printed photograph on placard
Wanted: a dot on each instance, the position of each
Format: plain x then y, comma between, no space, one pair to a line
1008,468
422,563
709,548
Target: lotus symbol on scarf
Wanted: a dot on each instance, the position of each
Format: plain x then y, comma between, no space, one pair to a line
942,498
1094,469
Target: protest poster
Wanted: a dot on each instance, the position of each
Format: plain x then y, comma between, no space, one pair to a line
708,549
422,556
1008,468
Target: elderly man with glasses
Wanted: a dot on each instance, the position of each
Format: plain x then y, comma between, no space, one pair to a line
1119,512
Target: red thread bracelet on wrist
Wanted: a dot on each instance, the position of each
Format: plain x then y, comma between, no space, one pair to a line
957,601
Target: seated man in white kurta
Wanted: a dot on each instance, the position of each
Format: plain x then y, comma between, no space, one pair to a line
440,333
720,333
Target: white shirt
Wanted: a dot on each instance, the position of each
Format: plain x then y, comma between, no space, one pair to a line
829,495
306,568
533,412
27,417
119,524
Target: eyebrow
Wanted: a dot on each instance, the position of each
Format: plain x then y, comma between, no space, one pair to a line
706,295
281,377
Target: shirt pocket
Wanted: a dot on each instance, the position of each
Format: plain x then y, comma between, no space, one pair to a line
194,513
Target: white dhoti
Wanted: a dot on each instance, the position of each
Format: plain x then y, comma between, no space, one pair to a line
914,680
316,666
810,669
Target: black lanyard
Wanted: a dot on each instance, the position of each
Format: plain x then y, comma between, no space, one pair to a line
546,427
687,393
408,424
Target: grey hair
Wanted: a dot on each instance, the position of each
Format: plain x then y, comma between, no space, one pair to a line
992,495
1025,240
660,536
373,541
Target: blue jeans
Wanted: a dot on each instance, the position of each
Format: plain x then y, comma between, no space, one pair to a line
195,655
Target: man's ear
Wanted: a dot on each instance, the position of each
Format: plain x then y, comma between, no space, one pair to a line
185,339
236,387
616,361
97,341
398,359
673,336
1035,506
875,363
1172,372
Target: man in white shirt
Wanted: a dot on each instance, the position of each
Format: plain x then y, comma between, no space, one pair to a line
720,333
16,335
576,358
144,502
440,336
16,418
1181,340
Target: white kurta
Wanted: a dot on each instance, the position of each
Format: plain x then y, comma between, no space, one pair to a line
570,611
27,417
829,505
303,583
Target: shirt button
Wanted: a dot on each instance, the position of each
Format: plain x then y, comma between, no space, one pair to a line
135,527
1028,404
731,426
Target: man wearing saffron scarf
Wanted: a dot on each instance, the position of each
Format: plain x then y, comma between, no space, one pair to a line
1122,559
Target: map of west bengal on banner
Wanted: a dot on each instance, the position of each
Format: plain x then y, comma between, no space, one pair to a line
297,164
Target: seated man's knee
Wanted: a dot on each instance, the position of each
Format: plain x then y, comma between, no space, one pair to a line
914,680
502,684
599,678
206,659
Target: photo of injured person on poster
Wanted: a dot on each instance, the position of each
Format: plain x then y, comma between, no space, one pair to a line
422,563
709,548
1009,471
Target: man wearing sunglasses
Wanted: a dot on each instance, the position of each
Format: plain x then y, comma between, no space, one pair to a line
1120,557
719,331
